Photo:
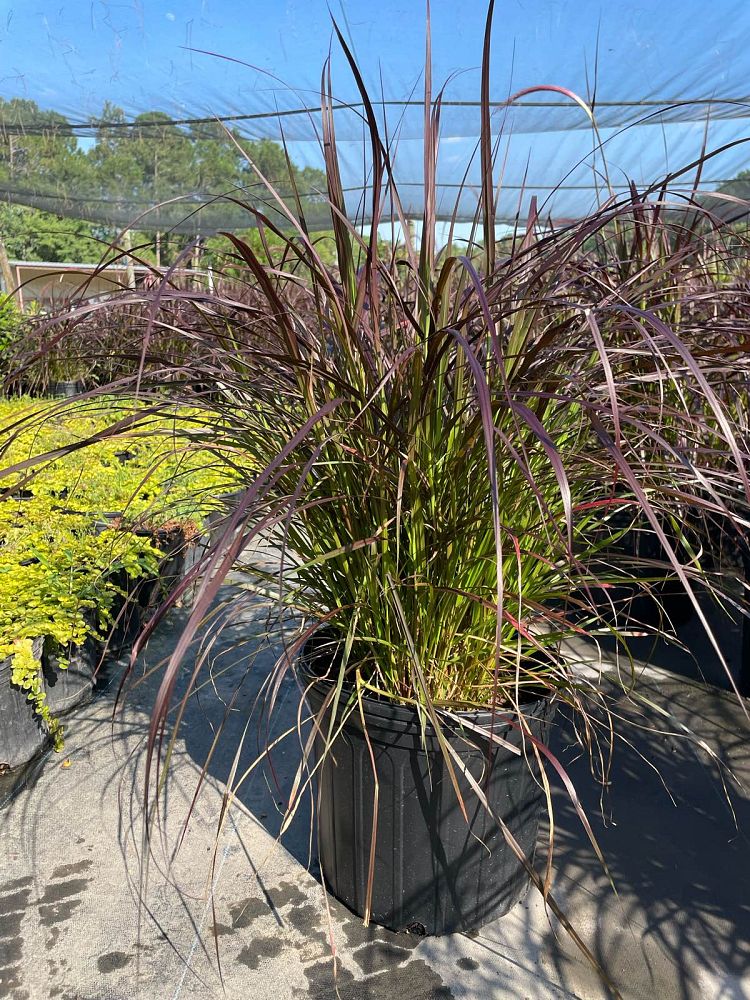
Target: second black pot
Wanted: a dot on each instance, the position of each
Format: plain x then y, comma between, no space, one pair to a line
434,872
174,548
664,600
22,734
65,390
71,686
127,612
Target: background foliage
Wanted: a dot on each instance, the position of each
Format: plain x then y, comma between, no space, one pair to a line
124,170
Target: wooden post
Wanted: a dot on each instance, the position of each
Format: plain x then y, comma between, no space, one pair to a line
410,234
127,244
195,263
7,274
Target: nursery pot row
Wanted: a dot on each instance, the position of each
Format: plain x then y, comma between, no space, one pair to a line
22,735
435,872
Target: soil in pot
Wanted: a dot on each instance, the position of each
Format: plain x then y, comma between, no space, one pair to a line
434,872
22,733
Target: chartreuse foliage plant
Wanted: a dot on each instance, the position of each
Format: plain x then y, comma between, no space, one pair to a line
56,582
163,470
26,673
11,323
58,560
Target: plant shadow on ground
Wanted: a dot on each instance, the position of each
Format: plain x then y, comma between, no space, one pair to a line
676,849
679,866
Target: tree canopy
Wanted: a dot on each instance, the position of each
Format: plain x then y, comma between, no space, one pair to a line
149,174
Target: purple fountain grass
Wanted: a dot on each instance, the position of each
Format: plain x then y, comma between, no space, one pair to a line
452,450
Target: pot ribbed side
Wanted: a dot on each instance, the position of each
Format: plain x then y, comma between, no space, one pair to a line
434,872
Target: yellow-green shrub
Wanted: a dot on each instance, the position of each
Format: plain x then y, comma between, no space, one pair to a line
56,582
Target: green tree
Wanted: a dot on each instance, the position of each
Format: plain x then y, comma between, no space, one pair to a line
30,234
739,186
162,178
34,142
727,209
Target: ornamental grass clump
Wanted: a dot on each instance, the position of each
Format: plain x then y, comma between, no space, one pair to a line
449,452
452,447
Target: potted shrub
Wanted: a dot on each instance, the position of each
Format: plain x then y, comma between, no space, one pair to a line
86,581
441,443
115,579
59,588
25,619
441,470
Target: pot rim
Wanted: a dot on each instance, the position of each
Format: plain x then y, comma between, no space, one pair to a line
391,710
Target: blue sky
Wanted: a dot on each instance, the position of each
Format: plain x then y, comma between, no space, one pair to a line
73,54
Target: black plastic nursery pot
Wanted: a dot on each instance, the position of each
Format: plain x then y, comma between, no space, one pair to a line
127,612
218,519
666,599
648,606
22,733
434,873
139,598
174,546
66,389
71,686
